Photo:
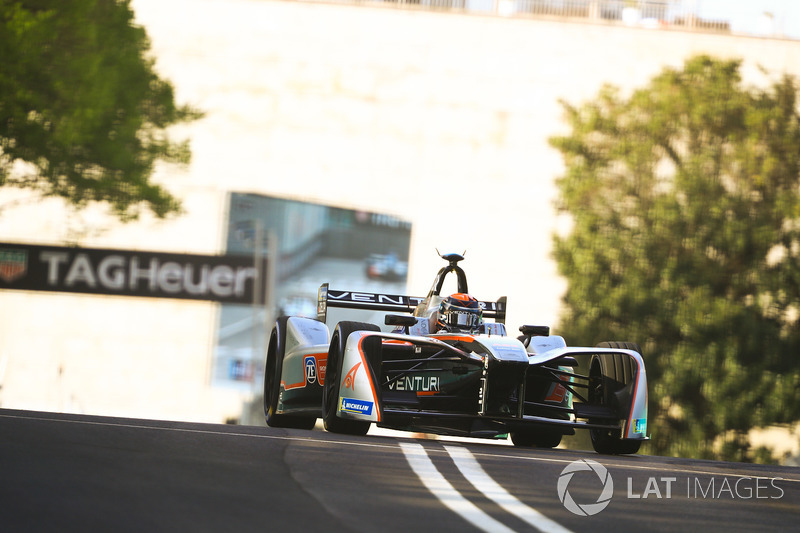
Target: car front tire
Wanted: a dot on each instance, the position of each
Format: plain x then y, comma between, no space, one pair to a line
333,377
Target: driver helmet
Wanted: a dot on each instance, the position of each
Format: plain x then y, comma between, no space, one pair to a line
460,312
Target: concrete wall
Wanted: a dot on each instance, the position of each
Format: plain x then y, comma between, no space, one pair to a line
439,118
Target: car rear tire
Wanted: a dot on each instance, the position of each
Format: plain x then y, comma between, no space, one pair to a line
607,375
273,368
333,376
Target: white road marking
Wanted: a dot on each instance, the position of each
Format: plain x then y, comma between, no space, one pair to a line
445,492
606,460
476,475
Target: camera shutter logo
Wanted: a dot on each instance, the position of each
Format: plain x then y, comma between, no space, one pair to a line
587,509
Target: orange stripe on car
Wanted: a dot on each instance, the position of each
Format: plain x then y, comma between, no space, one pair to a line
397,341
464,338
369,377
299,385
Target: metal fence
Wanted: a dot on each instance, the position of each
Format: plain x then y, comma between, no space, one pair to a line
654,14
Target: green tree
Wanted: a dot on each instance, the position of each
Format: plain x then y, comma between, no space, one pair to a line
685,199
82,107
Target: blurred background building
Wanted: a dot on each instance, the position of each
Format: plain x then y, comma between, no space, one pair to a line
433,114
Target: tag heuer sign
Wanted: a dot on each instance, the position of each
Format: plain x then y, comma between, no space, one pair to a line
220,278
13,265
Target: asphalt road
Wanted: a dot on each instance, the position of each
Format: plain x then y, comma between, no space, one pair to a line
82,473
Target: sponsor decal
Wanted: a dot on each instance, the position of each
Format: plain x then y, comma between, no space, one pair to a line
310,364
640,425
127,273
350,378
349,405
366,299
556,393
416,384
13,265
116,272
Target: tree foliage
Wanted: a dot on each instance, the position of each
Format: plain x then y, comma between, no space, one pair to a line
82,107
685,198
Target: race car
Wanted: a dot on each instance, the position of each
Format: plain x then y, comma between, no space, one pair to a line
447,366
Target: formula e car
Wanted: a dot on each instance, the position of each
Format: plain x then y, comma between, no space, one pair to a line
445,369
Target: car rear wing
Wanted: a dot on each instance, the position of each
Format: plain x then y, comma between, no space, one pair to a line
397,303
